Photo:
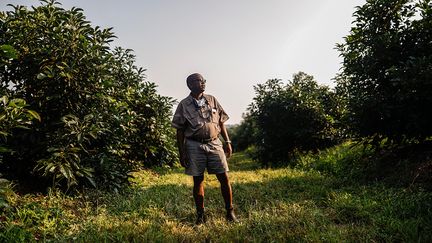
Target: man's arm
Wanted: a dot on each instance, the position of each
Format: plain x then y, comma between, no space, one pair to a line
181,147
224,132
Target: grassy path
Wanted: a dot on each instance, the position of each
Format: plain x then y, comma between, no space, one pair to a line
272,204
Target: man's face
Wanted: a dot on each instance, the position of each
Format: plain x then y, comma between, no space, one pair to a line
197,85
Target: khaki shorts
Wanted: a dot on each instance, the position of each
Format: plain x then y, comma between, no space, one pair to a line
205,155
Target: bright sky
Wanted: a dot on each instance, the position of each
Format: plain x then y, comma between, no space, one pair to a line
234,44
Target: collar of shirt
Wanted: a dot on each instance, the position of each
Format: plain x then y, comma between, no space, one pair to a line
199,103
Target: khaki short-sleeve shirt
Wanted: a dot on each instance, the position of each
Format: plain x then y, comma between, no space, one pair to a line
199,122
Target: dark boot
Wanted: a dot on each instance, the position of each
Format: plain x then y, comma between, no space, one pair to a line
201,218
230,216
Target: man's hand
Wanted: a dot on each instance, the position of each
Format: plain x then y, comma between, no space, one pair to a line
228,150
224,132
184,159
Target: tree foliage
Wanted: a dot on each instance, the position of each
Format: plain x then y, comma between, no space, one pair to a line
100,119
13,115
300,115
244,134
387,70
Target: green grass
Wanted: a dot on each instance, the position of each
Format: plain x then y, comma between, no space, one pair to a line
273,205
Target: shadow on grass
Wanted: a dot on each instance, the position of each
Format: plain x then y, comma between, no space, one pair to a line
306,208
271,209
287,207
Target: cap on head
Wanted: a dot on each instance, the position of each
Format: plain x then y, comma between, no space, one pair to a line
193,77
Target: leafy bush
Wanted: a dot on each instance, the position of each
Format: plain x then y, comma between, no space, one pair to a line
244,134
387,68
298,116
348,161
13,115
100,118
362,162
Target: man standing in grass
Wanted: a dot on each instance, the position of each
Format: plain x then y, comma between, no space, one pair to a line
199,119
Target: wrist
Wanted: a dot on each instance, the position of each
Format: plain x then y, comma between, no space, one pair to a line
228,141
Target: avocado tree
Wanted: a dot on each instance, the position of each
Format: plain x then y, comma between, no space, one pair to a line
387,70
100,118
297,116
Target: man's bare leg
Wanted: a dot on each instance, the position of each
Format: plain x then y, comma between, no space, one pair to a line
227,195
198,194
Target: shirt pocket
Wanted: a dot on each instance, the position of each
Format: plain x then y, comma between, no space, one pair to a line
193,119
215,115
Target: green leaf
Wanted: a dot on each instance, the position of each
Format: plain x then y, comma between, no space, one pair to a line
91,181
5,150
17,102
4,99
64,172
51,168
34,114
4,133
41,76
8,51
